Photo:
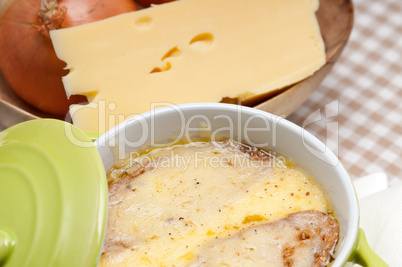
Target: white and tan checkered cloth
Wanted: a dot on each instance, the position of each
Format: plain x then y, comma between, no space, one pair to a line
363,93
365,89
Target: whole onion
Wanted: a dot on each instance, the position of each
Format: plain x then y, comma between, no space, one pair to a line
27,58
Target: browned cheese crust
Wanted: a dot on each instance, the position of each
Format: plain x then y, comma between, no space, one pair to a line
312,229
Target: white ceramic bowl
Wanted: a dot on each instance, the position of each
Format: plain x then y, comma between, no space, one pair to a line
254,127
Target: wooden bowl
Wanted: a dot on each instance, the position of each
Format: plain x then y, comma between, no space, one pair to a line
335,18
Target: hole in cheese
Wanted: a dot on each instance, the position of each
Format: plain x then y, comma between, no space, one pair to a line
163,68
174,52
143,22
202,41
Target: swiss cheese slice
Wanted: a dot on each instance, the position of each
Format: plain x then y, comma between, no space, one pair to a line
187,51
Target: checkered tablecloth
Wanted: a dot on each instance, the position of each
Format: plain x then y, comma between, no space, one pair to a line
357,110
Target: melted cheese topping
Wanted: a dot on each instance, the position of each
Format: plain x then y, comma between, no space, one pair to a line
166,206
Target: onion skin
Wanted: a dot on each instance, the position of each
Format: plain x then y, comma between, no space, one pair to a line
27,57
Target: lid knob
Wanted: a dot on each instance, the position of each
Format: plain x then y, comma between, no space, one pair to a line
6,246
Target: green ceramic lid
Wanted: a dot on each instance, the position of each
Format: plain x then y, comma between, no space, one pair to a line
53,196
